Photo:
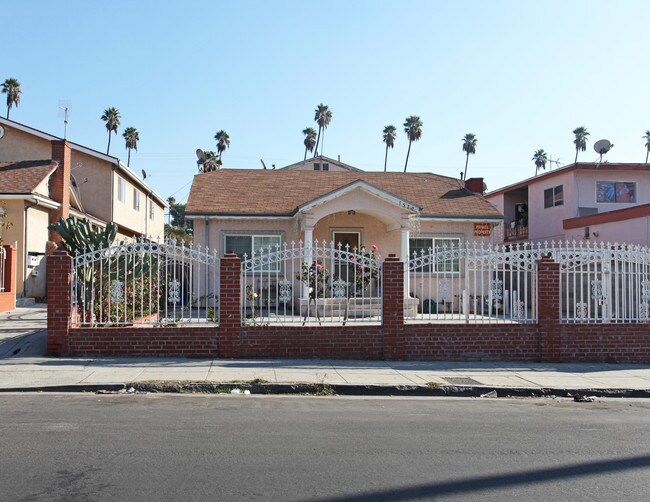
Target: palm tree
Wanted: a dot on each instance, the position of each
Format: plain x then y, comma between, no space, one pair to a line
390,135
413,129
310,140
581,140
469,147
131,138
11,87
646,137
223,142
211,162
540,158
112,118
323,117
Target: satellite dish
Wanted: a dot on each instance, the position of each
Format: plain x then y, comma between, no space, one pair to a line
602,146
200,154
144,174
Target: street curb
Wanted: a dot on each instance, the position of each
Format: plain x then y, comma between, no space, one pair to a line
379,390
81,387
185,387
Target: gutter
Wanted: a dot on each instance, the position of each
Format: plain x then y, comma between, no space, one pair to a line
37,199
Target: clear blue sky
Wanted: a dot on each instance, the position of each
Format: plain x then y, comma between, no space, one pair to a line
521,75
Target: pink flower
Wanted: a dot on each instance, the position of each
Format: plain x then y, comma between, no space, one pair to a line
320,267
375,247
360,267
352,259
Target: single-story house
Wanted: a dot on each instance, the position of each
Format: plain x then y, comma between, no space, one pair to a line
245,210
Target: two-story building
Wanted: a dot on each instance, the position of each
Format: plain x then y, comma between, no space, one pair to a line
608,202
44,178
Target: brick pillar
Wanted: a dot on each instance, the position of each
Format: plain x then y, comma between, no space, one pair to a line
548,288
60,184
59,277
229,306
393,307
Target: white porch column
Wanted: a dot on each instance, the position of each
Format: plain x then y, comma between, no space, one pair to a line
404,256
308,243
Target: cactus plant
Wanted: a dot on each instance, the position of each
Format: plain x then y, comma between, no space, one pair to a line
80,237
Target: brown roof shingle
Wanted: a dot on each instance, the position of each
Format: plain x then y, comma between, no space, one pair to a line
25,176
247,191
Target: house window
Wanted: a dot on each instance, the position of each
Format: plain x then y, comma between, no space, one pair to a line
136,199
152,210
246,246
316,166
442,247
121,189
326,167
615,191
554,196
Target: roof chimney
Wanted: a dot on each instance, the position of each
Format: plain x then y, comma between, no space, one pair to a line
475,185
60,183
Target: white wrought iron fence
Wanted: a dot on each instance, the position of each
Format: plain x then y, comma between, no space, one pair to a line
145,283
474,283
604,282
321,283
3,264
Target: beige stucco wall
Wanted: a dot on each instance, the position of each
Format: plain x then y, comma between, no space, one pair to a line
95,194
36,238
136,220
19,145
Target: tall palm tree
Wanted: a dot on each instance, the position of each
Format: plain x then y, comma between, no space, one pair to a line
646,137
111,117
211,162
223,142
390,135
540,158
310,140
323,117
131,138
469,147
413,129
11,87
580,140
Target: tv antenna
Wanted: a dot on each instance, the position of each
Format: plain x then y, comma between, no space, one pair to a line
552,161
602,146
263,164
65,110
144,174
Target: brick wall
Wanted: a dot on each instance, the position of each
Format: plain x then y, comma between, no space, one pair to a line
8,296
549,340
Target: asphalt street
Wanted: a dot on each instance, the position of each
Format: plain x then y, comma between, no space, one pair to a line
164,447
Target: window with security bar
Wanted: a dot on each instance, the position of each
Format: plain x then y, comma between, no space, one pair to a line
423,246
248,246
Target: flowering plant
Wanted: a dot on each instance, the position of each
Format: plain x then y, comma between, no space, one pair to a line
316,276
367,273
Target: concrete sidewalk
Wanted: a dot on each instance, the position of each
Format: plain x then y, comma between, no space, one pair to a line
506,378
23,366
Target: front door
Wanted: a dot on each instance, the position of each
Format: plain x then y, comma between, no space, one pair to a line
346,238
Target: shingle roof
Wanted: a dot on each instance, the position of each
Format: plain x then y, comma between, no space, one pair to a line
268,192
23,177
